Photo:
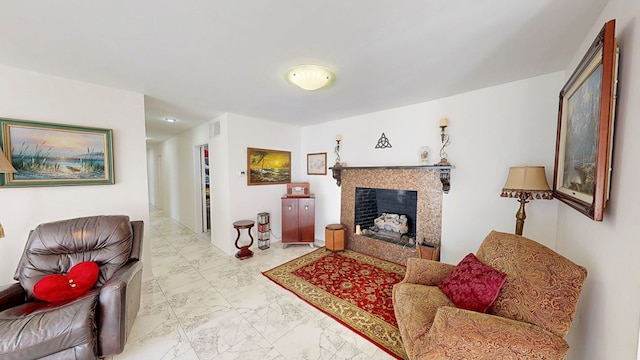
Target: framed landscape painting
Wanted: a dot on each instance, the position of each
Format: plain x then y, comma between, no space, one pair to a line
584,140
46,154
267,167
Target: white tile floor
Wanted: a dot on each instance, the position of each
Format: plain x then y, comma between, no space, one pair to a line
204,304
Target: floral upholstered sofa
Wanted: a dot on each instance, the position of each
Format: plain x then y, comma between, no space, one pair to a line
528,317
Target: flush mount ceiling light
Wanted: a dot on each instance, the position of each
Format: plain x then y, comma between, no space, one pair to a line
309,77
171,120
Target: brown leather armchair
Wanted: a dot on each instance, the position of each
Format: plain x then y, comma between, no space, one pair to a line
94,325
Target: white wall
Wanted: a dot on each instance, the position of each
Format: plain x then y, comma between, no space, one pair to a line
32,96
491,129
231,198
606,326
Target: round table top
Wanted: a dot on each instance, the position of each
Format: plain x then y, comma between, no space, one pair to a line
334,227
241,224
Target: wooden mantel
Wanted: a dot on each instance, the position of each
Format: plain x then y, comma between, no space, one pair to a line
445,172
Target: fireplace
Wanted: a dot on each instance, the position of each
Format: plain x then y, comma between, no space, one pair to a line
426,184
374,206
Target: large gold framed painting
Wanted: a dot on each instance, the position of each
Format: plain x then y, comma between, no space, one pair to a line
584,139
268,167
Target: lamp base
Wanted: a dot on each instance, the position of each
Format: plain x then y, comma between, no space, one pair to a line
521,215
443,162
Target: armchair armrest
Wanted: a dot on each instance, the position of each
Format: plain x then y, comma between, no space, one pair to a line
118,306
11,295
426,272
458,333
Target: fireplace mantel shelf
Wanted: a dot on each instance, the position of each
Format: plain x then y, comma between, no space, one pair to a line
445,172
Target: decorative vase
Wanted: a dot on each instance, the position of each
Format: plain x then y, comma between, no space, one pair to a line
424,155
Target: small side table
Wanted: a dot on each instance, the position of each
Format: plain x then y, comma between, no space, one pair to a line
334,237
244,252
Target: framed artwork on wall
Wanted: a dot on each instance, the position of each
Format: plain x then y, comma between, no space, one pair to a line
46,154
268,167
584,139
317,164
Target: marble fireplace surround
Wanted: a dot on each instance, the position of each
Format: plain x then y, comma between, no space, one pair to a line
424,180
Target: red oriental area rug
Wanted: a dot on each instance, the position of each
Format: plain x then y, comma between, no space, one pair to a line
351,287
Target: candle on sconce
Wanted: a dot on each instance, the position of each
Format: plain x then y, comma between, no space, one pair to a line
444,122
338,137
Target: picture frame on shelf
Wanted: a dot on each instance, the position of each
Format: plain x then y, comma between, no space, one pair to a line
584,139
268,167
317,163
48,154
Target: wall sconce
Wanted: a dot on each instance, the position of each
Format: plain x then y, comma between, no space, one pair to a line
336,170
5,167
336,150
444,122
526,183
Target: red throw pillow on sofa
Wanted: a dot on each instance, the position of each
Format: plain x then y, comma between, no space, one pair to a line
473,285
57,287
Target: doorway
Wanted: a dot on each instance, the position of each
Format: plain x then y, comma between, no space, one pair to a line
204,195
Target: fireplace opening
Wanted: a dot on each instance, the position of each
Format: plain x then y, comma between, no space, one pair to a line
386,214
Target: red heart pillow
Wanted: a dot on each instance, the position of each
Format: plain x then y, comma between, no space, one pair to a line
57,287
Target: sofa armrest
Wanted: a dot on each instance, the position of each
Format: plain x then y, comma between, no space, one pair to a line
458,333
11,295
118,306
426,272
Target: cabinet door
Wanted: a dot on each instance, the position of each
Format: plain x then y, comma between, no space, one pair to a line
289,220
306,219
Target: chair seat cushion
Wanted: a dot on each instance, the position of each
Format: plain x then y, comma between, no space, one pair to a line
37,329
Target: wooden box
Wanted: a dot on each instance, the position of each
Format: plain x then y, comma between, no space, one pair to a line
429,252
298,189
334,237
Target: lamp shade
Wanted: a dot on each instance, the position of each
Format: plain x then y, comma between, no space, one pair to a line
530,180
309,77
5,165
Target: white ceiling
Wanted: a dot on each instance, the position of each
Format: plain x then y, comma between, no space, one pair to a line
197,59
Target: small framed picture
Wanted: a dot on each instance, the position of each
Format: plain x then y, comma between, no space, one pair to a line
317,164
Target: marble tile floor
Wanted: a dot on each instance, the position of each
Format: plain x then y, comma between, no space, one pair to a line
204,304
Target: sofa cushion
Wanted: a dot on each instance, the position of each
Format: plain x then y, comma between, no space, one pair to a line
60,287
473,285
470,335
542,287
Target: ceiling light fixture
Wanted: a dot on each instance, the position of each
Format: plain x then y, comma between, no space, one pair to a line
171,120
309,77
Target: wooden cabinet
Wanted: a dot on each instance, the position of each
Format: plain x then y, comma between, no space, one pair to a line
298,220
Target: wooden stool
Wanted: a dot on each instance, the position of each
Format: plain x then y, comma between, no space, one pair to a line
244,252
334,237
